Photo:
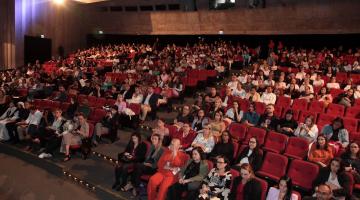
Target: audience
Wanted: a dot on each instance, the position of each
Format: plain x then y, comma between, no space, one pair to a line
320,151
283,191
251,155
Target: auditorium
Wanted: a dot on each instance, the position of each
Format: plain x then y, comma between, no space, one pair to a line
180,99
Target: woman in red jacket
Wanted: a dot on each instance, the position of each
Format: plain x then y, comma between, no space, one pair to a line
168,167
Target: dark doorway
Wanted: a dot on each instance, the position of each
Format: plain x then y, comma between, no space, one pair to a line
37,48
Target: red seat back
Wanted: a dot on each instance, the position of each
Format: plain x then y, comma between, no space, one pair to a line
305,113
300,104
259,133
237,131
303,173
297,148
353,112
275,142
274,166
335,109
283,101
317,106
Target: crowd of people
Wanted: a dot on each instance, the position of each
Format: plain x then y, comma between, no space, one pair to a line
194,157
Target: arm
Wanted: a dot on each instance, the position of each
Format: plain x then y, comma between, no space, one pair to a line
202,173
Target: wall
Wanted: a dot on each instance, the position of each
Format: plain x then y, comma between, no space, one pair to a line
7,34
64,24
291,17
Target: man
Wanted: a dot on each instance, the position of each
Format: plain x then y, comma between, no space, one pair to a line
62,96
268,119
183,117
323,192
268,97
149,103
108,125
185,135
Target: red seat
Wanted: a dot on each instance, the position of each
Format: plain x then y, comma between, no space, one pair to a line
303,174
110,102
64,106
275,142
357,103
273,167
351,124
91,131
264,188
341,77
92,101
258,133
300,104
296,148
353,112
278,111
317,106
236,150
237,131
324,119
335,92
305,113
97,115
295,113
260,107
100,102
136,108
234,174
81,98
283,101
355,78
336,109
172,130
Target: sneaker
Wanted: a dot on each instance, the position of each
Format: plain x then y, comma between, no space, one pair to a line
47,155
42,155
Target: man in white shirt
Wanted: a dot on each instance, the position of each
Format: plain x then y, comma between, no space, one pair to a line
233,83
29,127
268,97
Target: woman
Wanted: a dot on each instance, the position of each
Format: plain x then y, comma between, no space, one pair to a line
217,183
320,152
148,167
204,140
77,131
134,153
336,134
199,121
190,177
120,103
217,107
283,191
346,99
251,117
292,91
3,101
169,166
325,96
163,131
334,176
217,126
307,94
307,130
246,186
351,160
224,147
234,114
287,125
253,96
251,155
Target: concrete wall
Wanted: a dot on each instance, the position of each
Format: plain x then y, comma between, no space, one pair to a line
291,17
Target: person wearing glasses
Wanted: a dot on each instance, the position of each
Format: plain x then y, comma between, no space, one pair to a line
217,183
251,155
323,192
246,186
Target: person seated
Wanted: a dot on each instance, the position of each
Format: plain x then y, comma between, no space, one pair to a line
307,94
324,96
149,104
185,135
199,121
212,95
183,117
217,106
234,114
305,84
218,182
351,160
136,98
84,108
233,83
62,95
51,135
283,191
268,120
200,104
346,99
239,91
11,126
292,91
253,95
9,116
307,130
78,129
163,131
318,82
169,165
251,117
225,147
134,153
190,177
228,98
324,192
120,103
268,97
287,125
148,167
97,91
332,83
86,89
217,126
204,140
250,154
334,176
320,151
336,134
107,126
246,186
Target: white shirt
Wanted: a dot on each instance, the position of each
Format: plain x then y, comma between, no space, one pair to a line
318,83
246,159
147,99
333,85
268,98
273,194
35,118
135,99
243,79
232,85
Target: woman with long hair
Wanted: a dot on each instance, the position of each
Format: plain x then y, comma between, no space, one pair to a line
251,155
246,186
351,160
283,191
336,134
224,147
320,151
307,130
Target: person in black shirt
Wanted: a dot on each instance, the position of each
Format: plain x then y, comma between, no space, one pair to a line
268,119
287,125
224,147
184,117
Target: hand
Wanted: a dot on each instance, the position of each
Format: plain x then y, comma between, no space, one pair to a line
148,164
181,181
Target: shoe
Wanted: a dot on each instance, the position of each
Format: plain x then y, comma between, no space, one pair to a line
47,155
42,155
67,158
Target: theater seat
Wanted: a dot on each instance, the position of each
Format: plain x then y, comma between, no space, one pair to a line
237,131
273,167
264,188
351,124
353,112
297,148
304,113
317,106
259,133
275,142
335,109
300,104
283,101
91,132
303,174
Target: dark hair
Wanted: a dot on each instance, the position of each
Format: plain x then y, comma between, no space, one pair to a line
327,90
136,134
289,187
253,105
312,118
338,119
247,167
326,147
348,151
342,166
200,151
230,137
156,135
226,160
257,143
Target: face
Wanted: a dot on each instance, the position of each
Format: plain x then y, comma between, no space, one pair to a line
252,143
283,186
321,141
195,156
251,108
225,137
186,128
334,166
175,145
245,174
206,131
323,193
160,123
186,110
220,163
337,125
269,109
201,113
217,116
288,116
57,113
354,148
155,140
135,139
350,92
235,104
308,121
323,90
81,119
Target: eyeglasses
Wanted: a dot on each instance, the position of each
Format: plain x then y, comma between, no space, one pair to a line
220,162
252,142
